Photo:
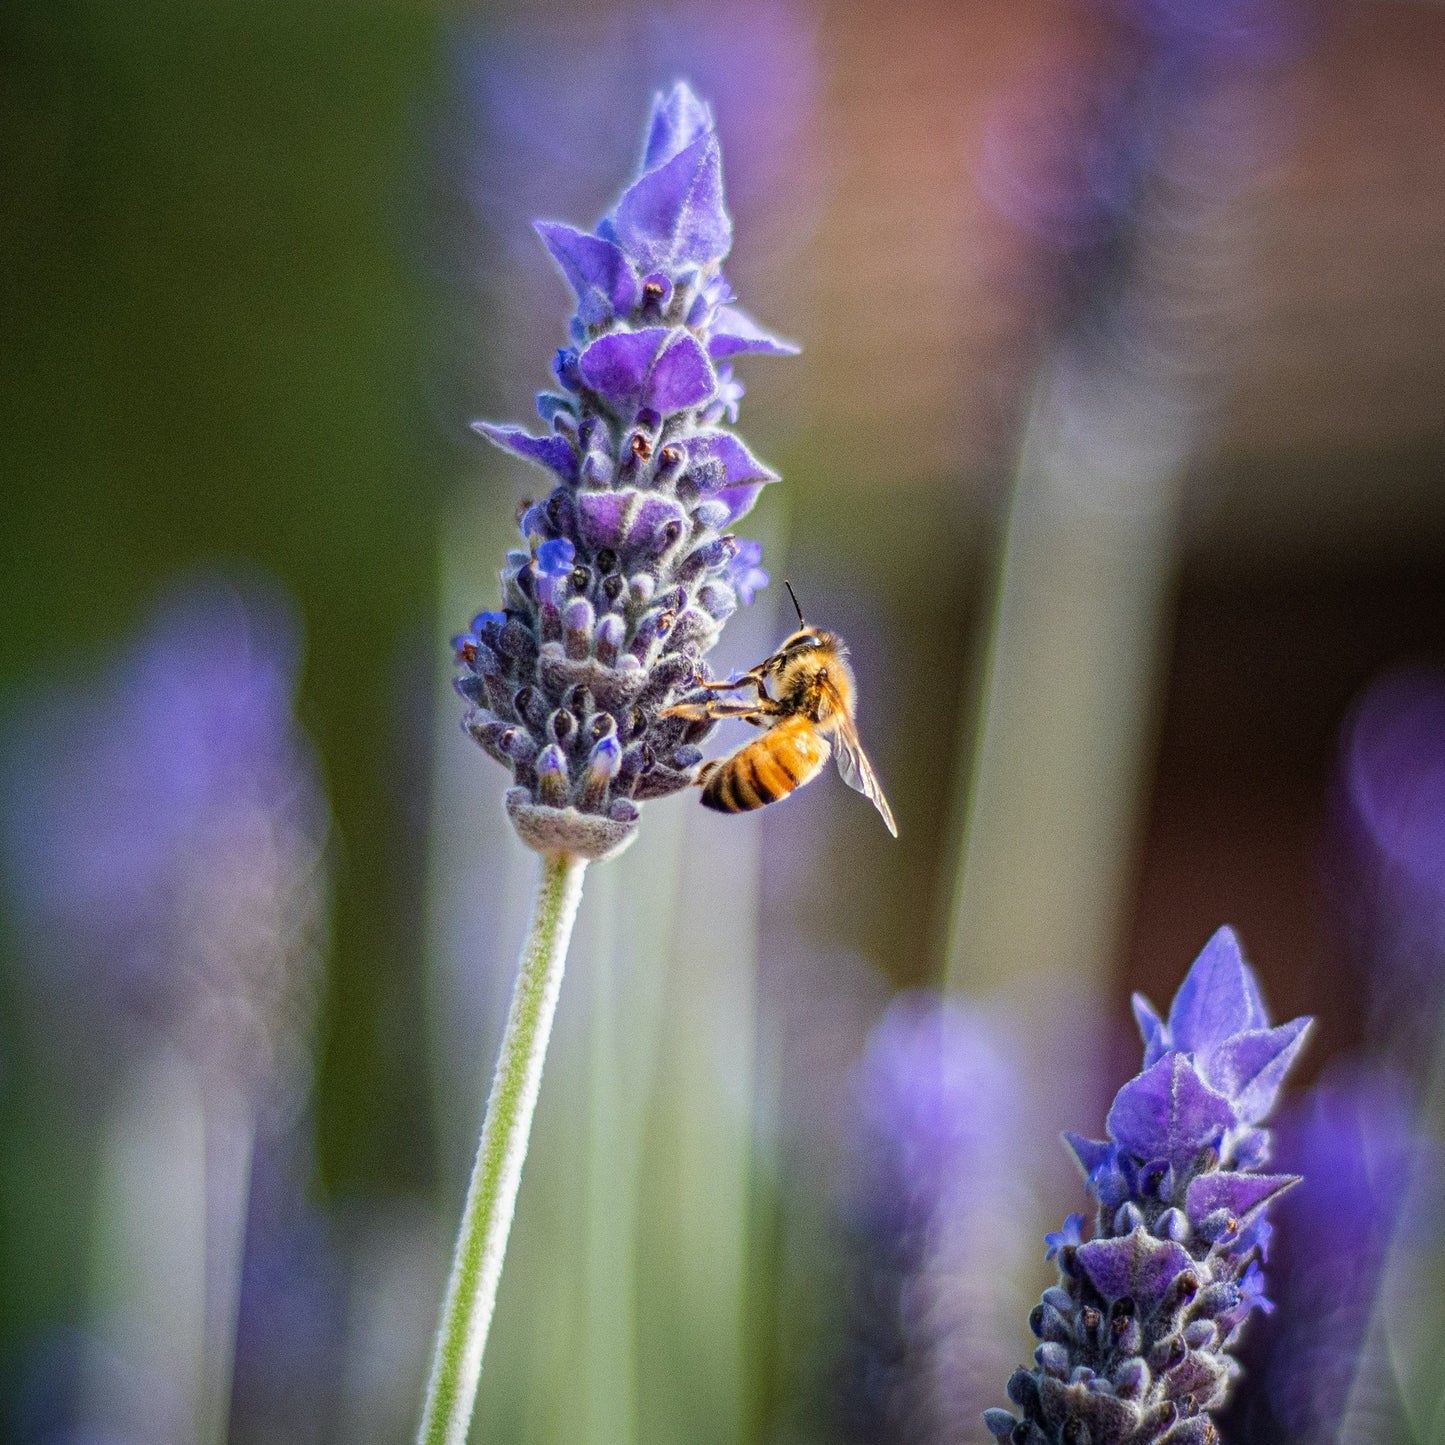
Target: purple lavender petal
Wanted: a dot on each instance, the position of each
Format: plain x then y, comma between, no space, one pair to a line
555,558
744,574
1151,1030
1250,1067
1168,1112
1240,1194
656,367
1218,998
554,452
1088,1153
738,500
678,119
674,216
617,365
653,515
738,463
599,271
1070,1235
1136,1266
601,517
735,332
1182,1133
681,377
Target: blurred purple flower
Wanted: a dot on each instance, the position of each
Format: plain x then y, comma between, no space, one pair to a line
164,831
1355,1140
1137,1336
164,834
290,1333
1390,858
934,1209
1076,156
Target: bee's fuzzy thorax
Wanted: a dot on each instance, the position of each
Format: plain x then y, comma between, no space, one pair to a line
806,669
629,566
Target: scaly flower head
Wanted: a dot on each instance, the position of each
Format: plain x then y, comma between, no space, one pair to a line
630,566
1137,1336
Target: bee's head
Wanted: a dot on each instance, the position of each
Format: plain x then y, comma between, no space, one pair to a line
805,637
801,640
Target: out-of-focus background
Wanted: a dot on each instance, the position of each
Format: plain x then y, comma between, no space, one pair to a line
1115,450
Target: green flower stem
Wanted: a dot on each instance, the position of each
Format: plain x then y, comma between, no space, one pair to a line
492,1195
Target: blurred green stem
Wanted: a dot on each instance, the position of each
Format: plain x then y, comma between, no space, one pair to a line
487,1215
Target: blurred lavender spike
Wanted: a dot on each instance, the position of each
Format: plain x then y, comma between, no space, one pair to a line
164,834
1390,836
292,1308
936,1212
630,565
1355,1140
1137,1338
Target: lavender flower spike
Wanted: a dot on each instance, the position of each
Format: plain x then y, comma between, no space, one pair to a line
1137,1336
630,565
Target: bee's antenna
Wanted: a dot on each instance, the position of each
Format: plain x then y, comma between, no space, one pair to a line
794,596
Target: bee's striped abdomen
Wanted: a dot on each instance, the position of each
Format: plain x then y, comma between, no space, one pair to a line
768,768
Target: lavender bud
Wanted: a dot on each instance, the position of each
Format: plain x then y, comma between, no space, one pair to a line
552,776
1172,1224
1129,1218
577,620
611,631
602,766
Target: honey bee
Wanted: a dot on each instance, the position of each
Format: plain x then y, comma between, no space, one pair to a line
804,698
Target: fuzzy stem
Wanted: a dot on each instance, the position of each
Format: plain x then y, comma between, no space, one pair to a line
487,1215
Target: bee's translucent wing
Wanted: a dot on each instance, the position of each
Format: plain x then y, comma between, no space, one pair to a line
857,771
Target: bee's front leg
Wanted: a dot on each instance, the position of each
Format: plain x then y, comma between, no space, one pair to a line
710,711
721,684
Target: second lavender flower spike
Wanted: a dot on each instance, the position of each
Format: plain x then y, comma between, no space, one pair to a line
1137,1336
630,565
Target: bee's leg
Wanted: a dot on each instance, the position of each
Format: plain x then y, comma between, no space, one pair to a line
690,711
710,710
721,684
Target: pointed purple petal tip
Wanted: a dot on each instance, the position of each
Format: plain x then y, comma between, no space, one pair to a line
735,333
597,270
553,452
678,118
1168,1112
675,216
1219,997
